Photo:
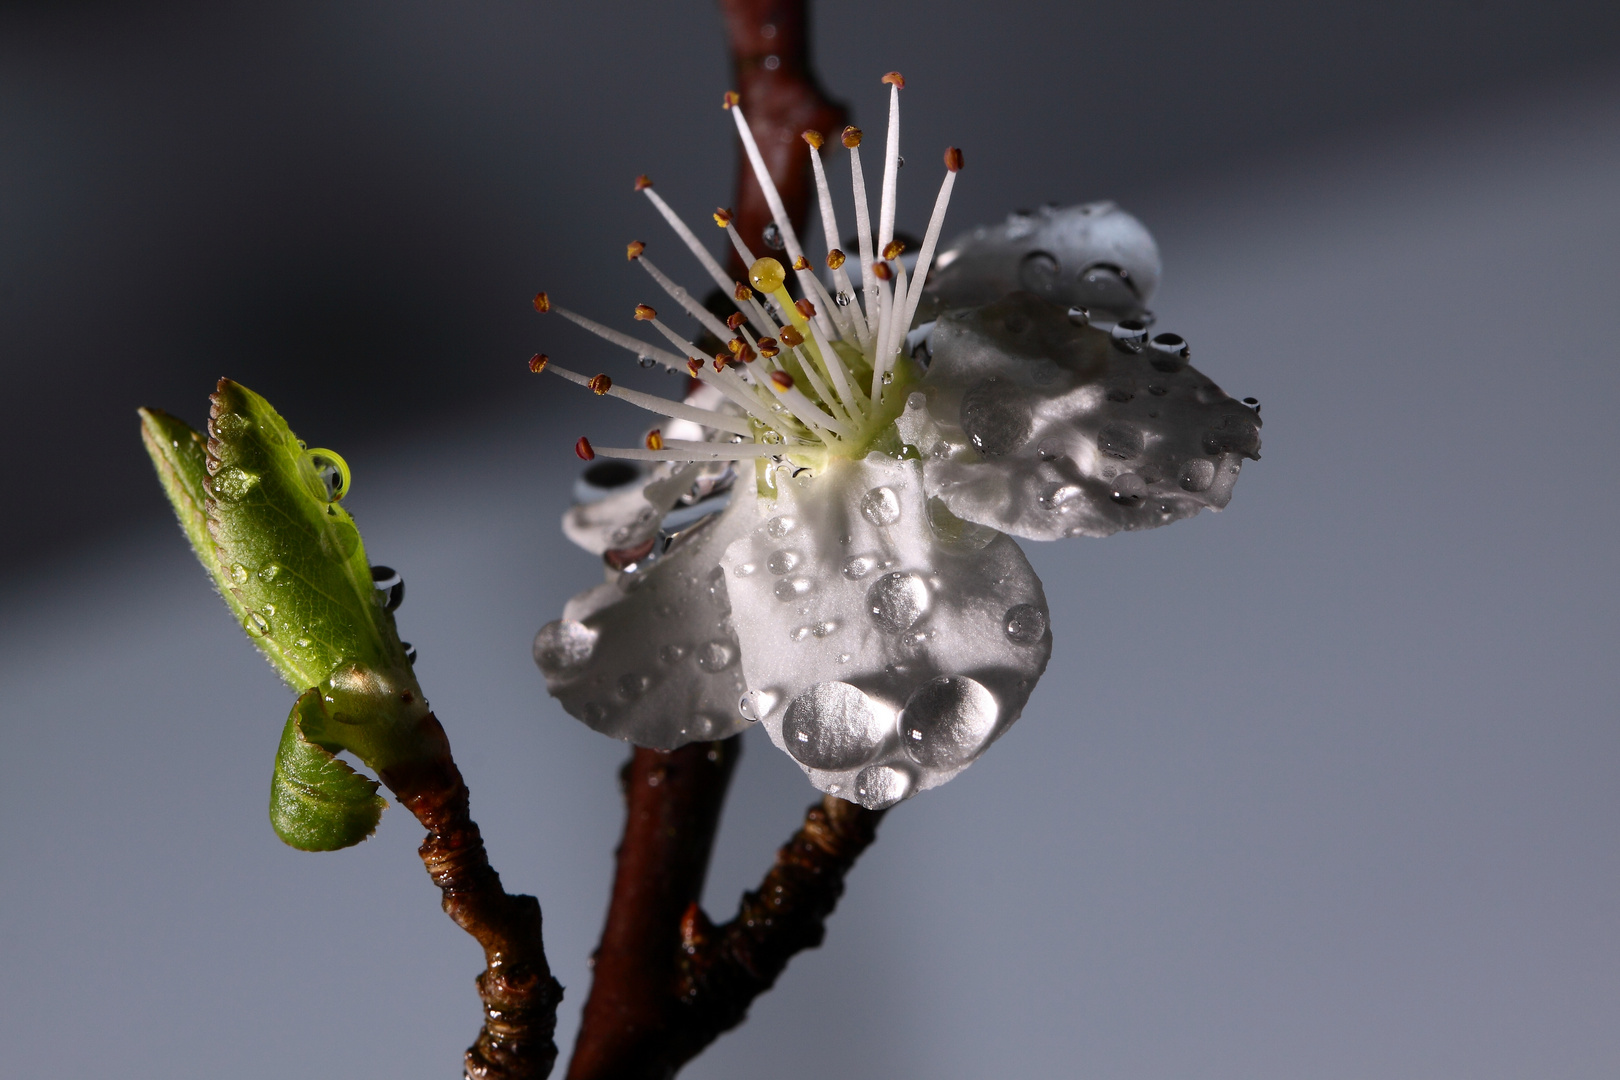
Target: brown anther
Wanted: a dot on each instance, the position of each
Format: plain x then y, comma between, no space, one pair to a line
790,336
694,365
731,98
852,137
768,343
783,381
722,216
893,248
600,384
736,345
746,354
645,313
814,138
643,182
735,319
721,361
953,159
835,259
882,271
742,293
655,439
633,250
583,449
894,78
806,308
542,302
538,362
801,263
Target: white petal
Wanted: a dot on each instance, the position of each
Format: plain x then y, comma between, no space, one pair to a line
652,657
884,647
1042,428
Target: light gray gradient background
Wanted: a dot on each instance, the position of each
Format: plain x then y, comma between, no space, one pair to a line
1323,786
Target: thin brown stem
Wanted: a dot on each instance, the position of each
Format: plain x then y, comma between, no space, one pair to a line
519,994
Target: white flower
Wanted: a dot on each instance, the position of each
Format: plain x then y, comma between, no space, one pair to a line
815,538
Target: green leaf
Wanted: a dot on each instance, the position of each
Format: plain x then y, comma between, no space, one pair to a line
318,803
180,457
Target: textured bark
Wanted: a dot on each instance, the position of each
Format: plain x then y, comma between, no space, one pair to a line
770,59
519,994
634,1014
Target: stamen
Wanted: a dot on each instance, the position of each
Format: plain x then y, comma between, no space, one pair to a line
624,341
806,308
891,168
600,384
643,182
675,410
684,298
881,271
835,259
925,257
895,79
863,227
722,216
538,362
583,449
782,380
645,313
731,100
801,263
814,138
839,374
655,439
688,238
681,450
735,320
542,302
893,249
852,324
633,250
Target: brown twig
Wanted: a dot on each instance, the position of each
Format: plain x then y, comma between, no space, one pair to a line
519,994
770,59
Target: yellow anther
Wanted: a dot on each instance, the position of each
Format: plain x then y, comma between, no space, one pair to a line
633,250
894,78
893,248
852,137
645,313
542,302
600,384
655,439
731,98
814,138
801,263
538,362
835,259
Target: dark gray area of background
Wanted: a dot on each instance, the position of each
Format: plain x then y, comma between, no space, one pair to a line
1324,786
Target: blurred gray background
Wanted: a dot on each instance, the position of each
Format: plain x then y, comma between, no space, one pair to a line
1326,785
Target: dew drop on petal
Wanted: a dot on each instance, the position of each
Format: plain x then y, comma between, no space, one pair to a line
632,684
799,633
563,646
593,713
1128,489
779,527
859,566
789,589
754,705
1120,441
996,417
1197,474
1025,624
880,786
947,720
881,506
671,654
268,572
822,629
781,562
897,600
745,569
716,656
832,725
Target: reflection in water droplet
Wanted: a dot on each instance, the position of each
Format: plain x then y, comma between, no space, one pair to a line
859,566
632,684
1130,335
563,646
1025,624
881,506
947,720
239,573
390,587
1120,441
1128,489
781,562
1039,272
270,609
232,483
716,656
790,589
1197,474
256,624
879,786
832,725
331,473
779,527
996,417
897,600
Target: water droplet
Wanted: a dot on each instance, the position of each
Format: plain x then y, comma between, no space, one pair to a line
268,572
843,299
1079,316
1025,624
996,417
1057,497
593,713
410,652
778,527
1039,273
1157,390
881,506
790,589
947,720
887,378
1048,451
1120,395
879,786
232,483
781,562
1170,352
239,573
390,587
897,600
1130,335
716,656
1197,474
303,643
744,569
959,533
1103,285
859,566
270,610
773,237
632,684
799,633
1120,441
822,629
645,361
832,725
563,647
230,425
671,654
331,474
256,624
1128,489
755,705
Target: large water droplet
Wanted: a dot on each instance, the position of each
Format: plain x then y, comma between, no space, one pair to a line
390,587
781,562
563,647
716,656
256,624
232,483
996,417
880,786
1169,352
1120,441
331,474
1130,335
239,573
1102,285
1025,624
1197,474
790,589
1039,273
881,506
832,725
1128,489
947,720
897,600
